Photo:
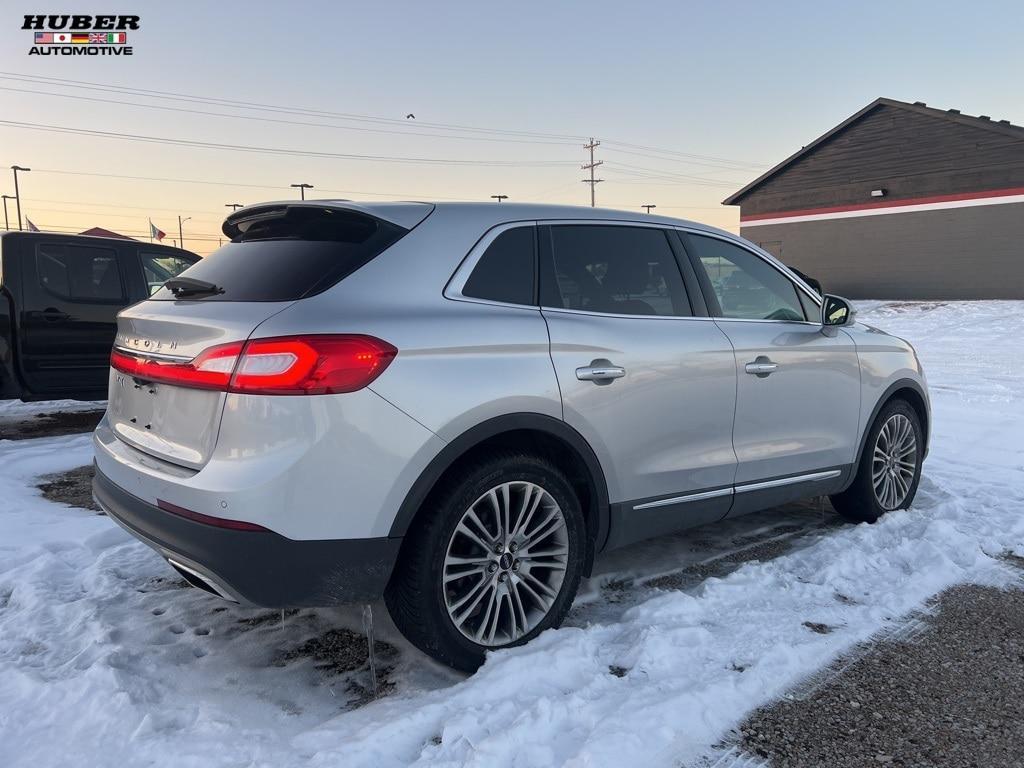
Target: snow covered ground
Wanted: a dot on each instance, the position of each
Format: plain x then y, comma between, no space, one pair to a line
105,660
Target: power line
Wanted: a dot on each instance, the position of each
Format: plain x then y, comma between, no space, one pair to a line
112,205
118,215
406,127
175,96
614,143
654,173
281,150
206,113
281,187
55,228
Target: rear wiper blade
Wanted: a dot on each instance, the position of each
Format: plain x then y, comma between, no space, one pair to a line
190,286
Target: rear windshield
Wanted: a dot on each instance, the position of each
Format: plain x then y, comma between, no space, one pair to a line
288,254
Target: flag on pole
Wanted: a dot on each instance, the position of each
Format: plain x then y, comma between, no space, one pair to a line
156,232
31,227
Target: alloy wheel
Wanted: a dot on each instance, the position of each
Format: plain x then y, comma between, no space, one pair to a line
894,461
505,563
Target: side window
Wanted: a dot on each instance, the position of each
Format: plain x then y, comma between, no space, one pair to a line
158,268
80,273
505,271
811,310
614,269
747,287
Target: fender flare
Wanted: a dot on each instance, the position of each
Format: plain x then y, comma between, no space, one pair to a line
512,422
891,390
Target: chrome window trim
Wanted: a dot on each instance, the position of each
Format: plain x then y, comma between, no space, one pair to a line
614,223
770,261
457,282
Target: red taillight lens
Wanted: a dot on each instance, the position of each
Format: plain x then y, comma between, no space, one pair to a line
293,365
311,365
209,370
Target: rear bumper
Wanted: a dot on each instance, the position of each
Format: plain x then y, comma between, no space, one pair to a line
256,567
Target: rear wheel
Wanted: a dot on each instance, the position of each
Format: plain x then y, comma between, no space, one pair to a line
492,562
890,467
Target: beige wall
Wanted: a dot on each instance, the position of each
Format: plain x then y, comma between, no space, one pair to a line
958,253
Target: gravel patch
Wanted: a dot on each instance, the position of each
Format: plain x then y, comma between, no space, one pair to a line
73,488
51,424
948,696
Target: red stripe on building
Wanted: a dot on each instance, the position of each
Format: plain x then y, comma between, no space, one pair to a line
888,204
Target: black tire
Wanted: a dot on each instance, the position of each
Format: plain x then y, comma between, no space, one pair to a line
415,596
859,503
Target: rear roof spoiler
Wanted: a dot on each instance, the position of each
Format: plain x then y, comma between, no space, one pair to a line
405,215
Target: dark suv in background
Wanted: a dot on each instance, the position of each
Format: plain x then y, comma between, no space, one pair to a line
59,299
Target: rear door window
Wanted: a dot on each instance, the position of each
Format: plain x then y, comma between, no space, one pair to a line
613,269
159,267
505,271
285,254
79,273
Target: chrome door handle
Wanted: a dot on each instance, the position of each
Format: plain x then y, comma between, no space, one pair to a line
600,372
761,367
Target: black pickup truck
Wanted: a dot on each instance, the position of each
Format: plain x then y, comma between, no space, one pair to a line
59,297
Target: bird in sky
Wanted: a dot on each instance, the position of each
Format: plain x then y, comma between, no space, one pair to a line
410,116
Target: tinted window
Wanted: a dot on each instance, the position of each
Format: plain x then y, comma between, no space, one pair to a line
619,270
161,267
811,310
80,273
505,271
746,286
289,253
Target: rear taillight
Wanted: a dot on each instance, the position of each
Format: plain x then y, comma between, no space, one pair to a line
291,365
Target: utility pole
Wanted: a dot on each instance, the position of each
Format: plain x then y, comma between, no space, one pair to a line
499,198
233,206
302,189
17,194
591,166
648,206
7,222
181,237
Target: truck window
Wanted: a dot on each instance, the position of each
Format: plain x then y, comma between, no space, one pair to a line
80,273
161,267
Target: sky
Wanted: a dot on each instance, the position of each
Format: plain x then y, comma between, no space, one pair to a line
690,100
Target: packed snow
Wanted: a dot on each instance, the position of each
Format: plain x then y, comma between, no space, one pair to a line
106,660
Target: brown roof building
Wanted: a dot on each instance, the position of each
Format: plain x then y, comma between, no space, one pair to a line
899,201
101,232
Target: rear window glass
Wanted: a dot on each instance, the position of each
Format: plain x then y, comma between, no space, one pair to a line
288,254
160,267
505,271
80,273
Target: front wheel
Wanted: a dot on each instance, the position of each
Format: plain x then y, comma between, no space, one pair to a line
492,562
890,467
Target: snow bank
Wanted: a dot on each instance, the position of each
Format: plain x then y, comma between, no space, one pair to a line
90,674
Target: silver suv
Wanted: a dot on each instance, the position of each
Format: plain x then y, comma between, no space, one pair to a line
459,406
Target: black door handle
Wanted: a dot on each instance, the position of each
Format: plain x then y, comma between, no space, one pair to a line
52,315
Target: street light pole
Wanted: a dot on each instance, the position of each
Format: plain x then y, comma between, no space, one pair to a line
302,188
17,195
233,206
181,237
648,206
499,198
7,222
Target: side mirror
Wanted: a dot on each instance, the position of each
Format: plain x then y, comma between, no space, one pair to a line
837,312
